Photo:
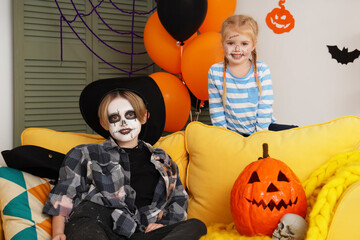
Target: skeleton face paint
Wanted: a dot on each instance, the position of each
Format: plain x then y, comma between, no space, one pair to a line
238,48
124,126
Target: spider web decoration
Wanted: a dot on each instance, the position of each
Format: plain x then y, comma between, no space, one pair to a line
94,10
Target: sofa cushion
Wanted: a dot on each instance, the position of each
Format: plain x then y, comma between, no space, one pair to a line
217,156
57,141
174,145
22,199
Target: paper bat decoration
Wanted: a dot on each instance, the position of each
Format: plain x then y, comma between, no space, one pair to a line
343,56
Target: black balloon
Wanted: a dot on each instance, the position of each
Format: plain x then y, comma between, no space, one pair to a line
181,18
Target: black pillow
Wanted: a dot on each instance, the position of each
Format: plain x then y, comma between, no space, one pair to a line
36,160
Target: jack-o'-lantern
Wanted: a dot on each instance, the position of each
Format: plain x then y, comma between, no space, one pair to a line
280,20
263,193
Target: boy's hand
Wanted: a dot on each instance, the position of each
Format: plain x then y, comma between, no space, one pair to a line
60,236
153,226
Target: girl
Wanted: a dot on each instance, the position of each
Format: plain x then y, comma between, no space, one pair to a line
122,188
240,88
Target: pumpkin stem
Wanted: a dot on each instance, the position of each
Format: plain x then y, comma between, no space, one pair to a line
265,150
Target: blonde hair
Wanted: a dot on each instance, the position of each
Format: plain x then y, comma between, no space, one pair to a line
135,100
245,25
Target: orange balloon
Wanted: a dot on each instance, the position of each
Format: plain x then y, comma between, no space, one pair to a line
161,47
202,52
177,100
217,12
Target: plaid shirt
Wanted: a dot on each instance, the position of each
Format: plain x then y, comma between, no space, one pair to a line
100,173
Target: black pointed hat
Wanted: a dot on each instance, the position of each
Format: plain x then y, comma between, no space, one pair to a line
145,87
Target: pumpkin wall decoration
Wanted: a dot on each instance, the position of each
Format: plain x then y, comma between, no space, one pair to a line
263,193
280,20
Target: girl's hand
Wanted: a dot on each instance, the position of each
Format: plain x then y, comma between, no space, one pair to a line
153,226
60,236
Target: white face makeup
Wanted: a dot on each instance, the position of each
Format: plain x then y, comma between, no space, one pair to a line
124,126
238,48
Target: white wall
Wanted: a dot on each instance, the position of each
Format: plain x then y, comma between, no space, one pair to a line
6,77
309,86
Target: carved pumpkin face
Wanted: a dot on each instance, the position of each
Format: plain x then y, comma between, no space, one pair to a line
280,20
262,194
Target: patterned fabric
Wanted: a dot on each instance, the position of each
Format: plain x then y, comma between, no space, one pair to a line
244,112
93,173
22,199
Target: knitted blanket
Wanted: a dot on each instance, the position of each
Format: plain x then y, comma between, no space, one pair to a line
323,190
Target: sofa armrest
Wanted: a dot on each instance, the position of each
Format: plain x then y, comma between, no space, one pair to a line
345,222
333,193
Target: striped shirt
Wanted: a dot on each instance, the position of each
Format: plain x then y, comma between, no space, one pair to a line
244,112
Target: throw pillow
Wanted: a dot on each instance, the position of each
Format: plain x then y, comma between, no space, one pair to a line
22,199
35,160
217,156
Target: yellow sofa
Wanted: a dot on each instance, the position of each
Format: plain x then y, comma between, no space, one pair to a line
325,157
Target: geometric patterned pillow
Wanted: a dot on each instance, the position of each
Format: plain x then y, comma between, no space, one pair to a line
22,198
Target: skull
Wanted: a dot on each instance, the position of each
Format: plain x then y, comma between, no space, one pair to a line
291,227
